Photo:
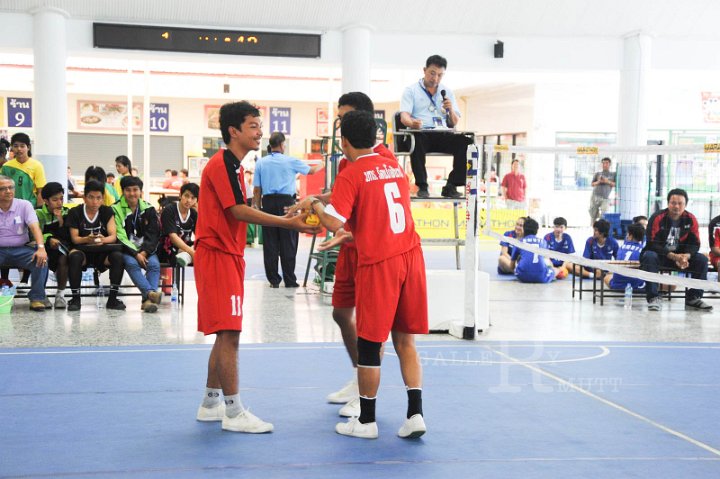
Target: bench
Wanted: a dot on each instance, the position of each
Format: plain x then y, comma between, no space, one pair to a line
178,280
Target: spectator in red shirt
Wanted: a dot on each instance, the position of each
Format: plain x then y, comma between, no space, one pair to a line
513,187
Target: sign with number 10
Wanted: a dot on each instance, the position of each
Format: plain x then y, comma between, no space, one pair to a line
19,112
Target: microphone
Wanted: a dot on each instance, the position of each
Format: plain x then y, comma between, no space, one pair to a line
449,118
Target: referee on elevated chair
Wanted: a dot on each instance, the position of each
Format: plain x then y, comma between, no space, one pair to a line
275,190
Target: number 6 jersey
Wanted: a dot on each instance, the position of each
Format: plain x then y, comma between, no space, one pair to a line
373,196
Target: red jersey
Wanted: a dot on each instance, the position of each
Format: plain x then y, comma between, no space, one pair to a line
372,195
381,150
515,185
223,186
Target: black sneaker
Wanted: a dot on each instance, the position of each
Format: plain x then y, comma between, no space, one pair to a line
449,191
115,304
292,285
698,303
423,193
274,285
74,304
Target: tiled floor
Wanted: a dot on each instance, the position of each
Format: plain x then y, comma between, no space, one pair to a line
517,312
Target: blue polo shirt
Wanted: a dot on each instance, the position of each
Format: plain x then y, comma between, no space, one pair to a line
565,245
276,174
531,267
417,101
629,251
607,251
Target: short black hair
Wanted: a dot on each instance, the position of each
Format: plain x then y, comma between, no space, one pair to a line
184,171
110,175
640,218
168,170
192,188
436,60
358,100
4,147
606,159
125,161
21,138
636,231
174,172
603,227
94,185
560,221
233,114
276,139
358,128
530,227
129,181
96,173
679,192
51,189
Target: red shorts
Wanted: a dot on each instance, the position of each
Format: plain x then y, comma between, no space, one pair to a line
219,278
392,296
344,289
714,260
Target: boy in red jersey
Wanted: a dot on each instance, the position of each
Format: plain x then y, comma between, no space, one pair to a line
220,244
372,196
343,296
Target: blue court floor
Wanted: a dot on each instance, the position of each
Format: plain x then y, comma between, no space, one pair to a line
493,409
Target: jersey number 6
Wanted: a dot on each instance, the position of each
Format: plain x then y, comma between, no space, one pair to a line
396,210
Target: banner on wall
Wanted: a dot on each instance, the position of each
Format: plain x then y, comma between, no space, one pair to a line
160,117
212,115
19,111
711,107
280,119
101,115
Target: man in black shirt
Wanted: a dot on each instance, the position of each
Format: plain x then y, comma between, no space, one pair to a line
178,225
94,241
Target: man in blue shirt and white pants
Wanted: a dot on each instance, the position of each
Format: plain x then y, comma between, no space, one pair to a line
275,190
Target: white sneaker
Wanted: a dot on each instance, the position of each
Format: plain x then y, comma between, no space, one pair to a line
246,422
413,427
208,414
355,428
349,392
60,302
351,409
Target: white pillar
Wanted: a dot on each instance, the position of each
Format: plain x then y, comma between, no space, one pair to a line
50,129
356,59
632,124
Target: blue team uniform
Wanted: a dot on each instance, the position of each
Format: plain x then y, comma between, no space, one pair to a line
511,248
531,267
594,251
629,251
565,245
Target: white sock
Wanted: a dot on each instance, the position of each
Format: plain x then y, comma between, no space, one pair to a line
60,293
212,397
233,405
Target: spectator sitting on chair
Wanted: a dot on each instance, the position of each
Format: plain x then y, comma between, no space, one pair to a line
505,264
561,242
178,226
629,251
673,240
17,218
97,173
184,173
529,266
92,228
173,182
56,235
600,246
138,229
429,104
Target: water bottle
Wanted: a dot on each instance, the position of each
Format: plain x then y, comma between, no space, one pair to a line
5,290
101,297
174,296
627,303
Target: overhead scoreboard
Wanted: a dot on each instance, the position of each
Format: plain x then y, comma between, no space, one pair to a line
198,40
